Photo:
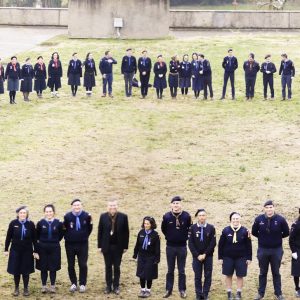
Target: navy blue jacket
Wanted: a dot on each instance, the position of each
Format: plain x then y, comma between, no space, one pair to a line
75,67
174,67
2,74
230,64
294,239
185,70
176,237
206,67
251,71
55,70
128,65
40,71
270,237
196,67
268,67
105,67
27,71
42,229
287,68
158,69
243,247
207,246
90,67
77,236
144,68
10,72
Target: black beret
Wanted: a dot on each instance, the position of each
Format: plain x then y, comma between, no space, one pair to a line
199,210
75,200
269,202
20,208
176,198
233,213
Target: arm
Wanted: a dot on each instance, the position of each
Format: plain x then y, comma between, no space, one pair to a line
163,223
274,69
262,68
100,232
126,233
101,66
122,66
213,242
9,236
281,68
255,228
236,65
80,68
90,224
61,231
69,68
292,239
285,228
293,70
224,63
249,246
157,250
244,66
136,248
221,245
191,244
135,66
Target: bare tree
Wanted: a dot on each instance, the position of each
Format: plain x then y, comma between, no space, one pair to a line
273,4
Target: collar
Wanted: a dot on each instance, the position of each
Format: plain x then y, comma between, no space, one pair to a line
200,225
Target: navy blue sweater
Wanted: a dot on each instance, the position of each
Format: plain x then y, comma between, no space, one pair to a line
243,247
176,237
270,236
128,64
230,64
42,229
251,69
206,67
106,67
287,68
75,67
144,66
27,71
13,72
185,69
268,67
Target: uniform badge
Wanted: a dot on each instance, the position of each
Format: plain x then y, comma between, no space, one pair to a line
71,225
53,65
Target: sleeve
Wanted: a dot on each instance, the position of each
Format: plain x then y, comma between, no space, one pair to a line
49,69
68,72
213,242
249,245
224,63
139,65
122,66
155,69
101,66
257,67
255,228
80,69
164,225
274,70
165,69
150,65
45,71
9,236
292,238
222,242
285,228
6,72
136,248
34,236
100,232
262,68
90,224
61,231
293,70
38,231
135,65
157,250
126,232
191,244
114,61
60,69
237,64
281,68
244,66
95,70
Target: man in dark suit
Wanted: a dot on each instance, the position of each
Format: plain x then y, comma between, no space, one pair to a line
128,69
144,66
251,68
113,238
268,69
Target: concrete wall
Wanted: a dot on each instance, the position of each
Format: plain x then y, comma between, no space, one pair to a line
201,19
33,16
142,18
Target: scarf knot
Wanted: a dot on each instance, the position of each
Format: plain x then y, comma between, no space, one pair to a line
146,239
235,230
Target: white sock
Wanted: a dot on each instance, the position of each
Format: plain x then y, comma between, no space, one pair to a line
229,290
239,290
148,290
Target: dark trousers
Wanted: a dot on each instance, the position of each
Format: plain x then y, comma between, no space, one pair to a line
173,92
79,250
226,77
268,81
108,80
265,258
203,267
250,85
113,259
286,81
144,84
173,254
128,77
208,85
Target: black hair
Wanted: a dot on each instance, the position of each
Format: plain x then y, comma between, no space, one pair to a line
75,200
106,52
201,55
195,54
87,56
233,213
20,208
252,55
284,55
52,56
184,56
267,56
230,49
74,53
40,57
49,206
151,220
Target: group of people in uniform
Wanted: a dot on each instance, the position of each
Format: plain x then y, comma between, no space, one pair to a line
195,73
27,242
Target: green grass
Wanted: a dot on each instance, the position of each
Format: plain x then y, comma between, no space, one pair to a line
223,156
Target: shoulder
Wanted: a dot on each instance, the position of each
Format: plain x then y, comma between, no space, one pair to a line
31,223
210,226
259,218
226,230
186,214
13,222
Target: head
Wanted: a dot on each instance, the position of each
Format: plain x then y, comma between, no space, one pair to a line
269,208
235,219
230,52
201,216
40,59
200,57
74,55
176,204
55,55
149,223
76,206
49,211
89,55
28,61
268,58
112,206
185,57
284,56
160,58
145,53
13,59
129,52
108,54
22,213
195,56
251,57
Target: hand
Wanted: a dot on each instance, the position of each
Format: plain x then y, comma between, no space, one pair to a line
36,256
110,61
193,76
6,253
248,262
221,261
104,76
144,73
268,72
160,75
295,255
125,250
201,72
100,250
292,77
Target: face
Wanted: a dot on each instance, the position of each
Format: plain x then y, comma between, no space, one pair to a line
160,59
77,207
201,217
129,53
230,53
55,56
112,207
40,60
284,58
14,60
195,56
109,54
147,225
145,53
49,213
200,58
250,58
90,56
28,62
269,210
236,220
75,56
176,206
22,214
268,59
185,58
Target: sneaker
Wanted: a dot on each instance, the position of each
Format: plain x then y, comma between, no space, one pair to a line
52,289
16,292
44,289
73,288
147,294
259,297
182,294
117,290
56,95
110,96
279,297
107,290
238,296
52,95
297,294
167,294
141,294
230,296
82,289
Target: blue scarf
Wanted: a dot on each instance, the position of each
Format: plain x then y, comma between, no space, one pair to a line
49,230
78,225
23,230
146,240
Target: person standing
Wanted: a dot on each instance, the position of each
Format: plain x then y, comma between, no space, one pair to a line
49,233
144,66
202,243
2,78
27,74
40,76
294,242
160,71
268,69
196,80
113,239
185,75
106,69
175,227
89,74
287,72
74,73
251,68
230,64
55,73
235,254
20,246
147,253
78,226
174,67
270,228
128,69
207,77
13,75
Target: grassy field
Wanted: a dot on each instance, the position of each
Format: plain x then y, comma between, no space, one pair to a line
224,156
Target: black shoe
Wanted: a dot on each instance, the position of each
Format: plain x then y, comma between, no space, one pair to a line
26,293
233,98
238,296
283,99
16,292
117,290
259,297
167,294
107,290
279,297
230,296
182,294
222,98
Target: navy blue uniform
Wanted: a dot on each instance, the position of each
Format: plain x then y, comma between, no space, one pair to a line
160,82
106,69
185,74
287,71
13,74
235,254
74,72
207,78
268,69
55,73
251,69
27,74
270,232
148,255
128,69
229,64
173,81
144,66
197,80
294,242
40,76
76,243
2,79
175,228
202,240
90,72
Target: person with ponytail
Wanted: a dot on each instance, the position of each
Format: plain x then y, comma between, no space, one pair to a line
235,254
13,75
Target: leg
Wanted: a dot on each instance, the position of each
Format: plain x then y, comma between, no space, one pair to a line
226,76
296,281
271,83
289,86
82,257
71,252
149,284
171,257
44,277
208,267
161,92
52,277
197,267
126,78
182,91
232,85
17,279
263,261
265,81
228,283
130,83
205,87
157,93
171,91
181,260
108,269
239,283
25,281
211,93
283,84
186,91
117,259
142,283
104,84
247,88
275,261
